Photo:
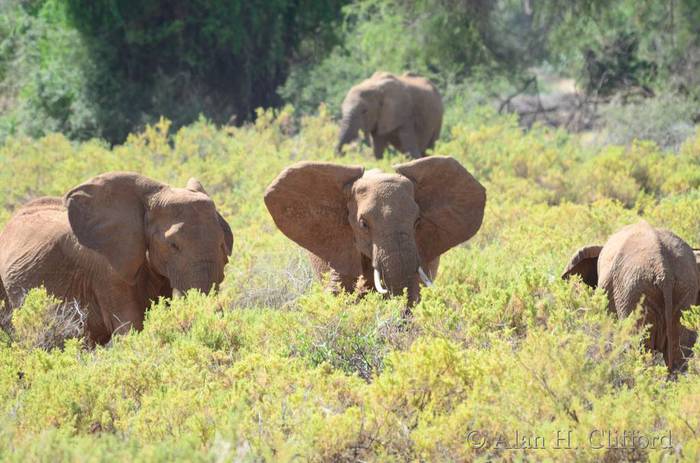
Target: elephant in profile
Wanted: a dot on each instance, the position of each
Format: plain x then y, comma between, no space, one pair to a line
372,228
403,111
113,244
641,261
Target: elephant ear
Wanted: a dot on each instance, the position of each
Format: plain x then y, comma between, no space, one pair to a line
395,104
106,214
195,185
451,203
308,203
585,264
228,234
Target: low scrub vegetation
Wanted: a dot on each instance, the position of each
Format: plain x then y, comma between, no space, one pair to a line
501,359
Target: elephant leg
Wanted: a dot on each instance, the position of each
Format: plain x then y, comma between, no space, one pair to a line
342,282
336,282
96,333
409,144
318,265
678,336
122,308
128,316
379,144
431,143
673,346
652,317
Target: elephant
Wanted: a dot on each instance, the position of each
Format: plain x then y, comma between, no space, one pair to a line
373,228
642,262
113,244
403,111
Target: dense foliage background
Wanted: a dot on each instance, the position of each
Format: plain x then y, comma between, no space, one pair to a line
103,68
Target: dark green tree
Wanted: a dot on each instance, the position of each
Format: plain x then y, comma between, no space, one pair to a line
180,58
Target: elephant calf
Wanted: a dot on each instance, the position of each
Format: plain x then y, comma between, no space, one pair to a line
374,227
113,244
403,111
642,261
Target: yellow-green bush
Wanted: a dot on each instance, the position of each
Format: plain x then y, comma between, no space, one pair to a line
45,322
274,368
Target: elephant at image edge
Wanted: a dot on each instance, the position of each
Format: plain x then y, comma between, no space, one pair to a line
113,244
374,228
642,261
402,111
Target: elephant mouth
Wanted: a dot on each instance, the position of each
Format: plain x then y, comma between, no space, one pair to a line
382,290
204,276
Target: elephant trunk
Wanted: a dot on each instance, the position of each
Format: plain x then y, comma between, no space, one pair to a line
202,276
397,264
349,129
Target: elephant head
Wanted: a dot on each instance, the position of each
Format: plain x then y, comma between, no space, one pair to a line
383,226
131,221
378,105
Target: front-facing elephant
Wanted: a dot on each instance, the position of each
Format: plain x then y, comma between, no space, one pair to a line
385,230
113,244
403,111
643,263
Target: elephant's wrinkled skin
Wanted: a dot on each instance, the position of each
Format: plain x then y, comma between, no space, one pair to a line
374,227
638,262
113,244
402,111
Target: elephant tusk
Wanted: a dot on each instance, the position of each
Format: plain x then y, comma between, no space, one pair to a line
177,293
378,282
424,278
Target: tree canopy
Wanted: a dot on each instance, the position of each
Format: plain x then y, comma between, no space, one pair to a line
103,68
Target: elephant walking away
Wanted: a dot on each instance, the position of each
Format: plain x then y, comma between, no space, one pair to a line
113,244
641,261
402,111
372,228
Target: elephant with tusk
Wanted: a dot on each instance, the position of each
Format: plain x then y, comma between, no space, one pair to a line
368,227
402,111
113,244
643,263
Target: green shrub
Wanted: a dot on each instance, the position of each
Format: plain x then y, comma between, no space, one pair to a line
350,335
45,322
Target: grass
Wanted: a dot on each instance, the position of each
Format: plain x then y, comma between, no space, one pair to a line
274,368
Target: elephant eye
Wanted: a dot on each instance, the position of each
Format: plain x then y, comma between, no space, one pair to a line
174,246
363,223
417,222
